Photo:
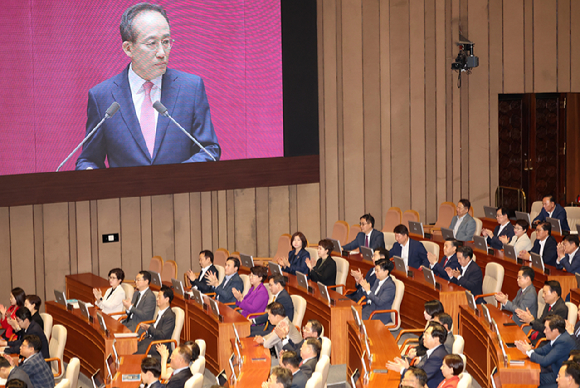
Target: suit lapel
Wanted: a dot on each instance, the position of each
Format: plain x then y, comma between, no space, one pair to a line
169,93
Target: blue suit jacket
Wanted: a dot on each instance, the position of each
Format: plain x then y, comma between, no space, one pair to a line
495,242
382,301
471,280
550,250
370,277
559,213
297,263
553,356
120,139
224,294
285,300
565,263
377,240
439,269
432,366
417,253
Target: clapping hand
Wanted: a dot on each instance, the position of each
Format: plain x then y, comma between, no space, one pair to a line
397,365
237,294
212,279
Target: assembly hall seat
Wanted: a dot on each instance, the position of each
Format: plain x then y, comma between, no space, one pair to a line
315,381
573,215
393,218
156,264
72,371
389,239
342,267
169,271
64,383
326,346
446,212
198,366
246,280
322,367
432,247
354,231
410,215
56,350
47,319
535,210
340,232
492,282
220,256
195,381
201,344
299,304
478,226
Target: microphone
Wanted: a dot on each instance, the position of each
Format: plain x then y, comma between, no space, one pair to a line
108,114
162,110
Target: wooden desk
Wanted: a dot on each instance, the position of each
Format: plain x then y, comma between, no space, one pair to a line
417,292
81,286
256,366
128,365
483,351
87,341
575,296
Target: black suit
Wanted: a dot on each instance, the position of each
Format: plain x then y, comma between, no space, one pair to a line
417,253
432,366
472,280
202,282
33,328
224,293
559,308
507,231
156,384
324,272
179,380
550,250
308,367
299,379
286,301
163,331
451,262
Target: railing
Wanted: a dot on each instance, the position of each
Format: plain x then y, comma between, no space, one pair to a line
503,192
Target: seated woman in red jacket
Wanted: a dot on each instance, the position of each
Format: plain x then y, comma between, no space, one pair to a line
256,299
451,368
17,297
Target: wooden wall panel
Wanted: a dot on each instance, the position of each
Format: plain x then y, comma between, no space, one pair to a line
262,219
442,144
5,276
39,253
72,240
245,221
528,46
109,221
196,226
495,87
513,46
183,254
278,216
205,225
545,46
575,46
162,226
56,247
308,212
222,218
84,242
385,83
430,47
146,232
131,258
22,244
563,45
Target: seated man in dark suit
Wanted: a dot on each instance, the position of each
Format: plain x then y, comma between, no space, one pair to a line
469,276
368,236
550,356
448,261
150,372
34,365
280,295
412,252
433,339
279,378
201,282
504,228
463,224
291,361
142,307
382,294
446,321
568,254
370,277
545,245
27,326
310,351
555,305
162,328
526,298
9,372
312,329
181,357
553,210
223,291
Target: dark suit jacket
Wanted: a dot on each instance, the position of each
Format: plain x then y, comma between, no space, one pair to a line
471,280
565,263
202,283
576,337
439,268
324,272
559,213
550,250
432,366
495,242
163,331
308,367
285,300
297,263
224,294
178,380
38,319
417,253
143,312
33,328
553,356
156,384
377,240
299,379
382,301
559,308
120,139
370,277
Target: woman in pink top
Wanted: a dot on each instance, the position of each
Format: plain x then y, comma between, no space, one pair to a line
451,368
256,299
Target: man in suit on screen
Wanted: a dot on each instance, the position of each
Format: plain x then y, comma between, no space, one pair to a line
138,135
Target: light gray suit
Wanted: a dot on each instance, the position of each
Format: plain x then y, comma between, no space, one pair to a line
273,341
144,311
466,229
527,299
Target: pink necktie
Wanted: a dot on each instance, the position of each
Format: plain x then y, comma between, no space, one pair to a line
148,118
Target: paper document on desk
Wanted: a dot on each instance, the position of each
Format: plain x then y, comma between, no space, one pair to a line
125,335
75,303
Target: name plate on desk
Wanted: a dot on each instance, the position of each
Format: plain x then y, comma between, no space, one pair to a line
131,377
126,335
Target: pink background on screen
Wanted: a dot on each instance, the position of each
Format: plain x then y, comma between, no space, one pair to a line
60,49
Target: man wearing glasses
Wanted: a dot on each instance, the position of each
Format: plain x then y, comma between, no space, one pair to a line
142,307
138,135
368,236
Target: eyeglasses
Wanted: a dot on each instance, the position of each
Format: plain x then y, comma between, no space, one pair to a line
166,43
139,280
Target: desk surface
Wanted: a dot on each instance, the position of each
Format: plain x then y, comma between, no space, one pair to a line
256,364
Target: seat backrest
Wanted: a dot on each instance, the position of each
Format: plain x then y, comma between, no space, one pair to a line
432,247
410,215
322,367
195,381
221,272
399,293
47,319
572,312
340,232
478,226
464,362
169,271
389,239
299,310
535,209
573,215
201,344
64,383
72,372
470,211
493,281
129,291
179,321
541,302
533,237
458,344
156,307
267,285
315,381
156,264
313,254
198,366
392,219
326,347
342,266
56,346
465,380
446,212
284,246
220,256
247,284
354,230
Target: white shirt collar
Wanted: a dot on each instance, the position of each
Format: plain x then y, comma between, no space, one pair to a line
554,340
179,370
136,82
465,268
